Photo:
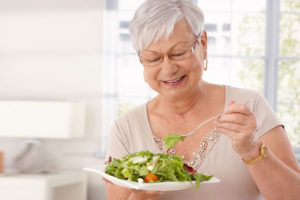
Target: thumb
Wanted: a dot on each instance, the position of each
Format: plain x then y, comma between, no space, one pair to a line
231,102
105,180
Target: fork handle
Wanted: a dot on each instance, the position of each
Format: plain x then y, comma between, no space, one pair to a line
201,124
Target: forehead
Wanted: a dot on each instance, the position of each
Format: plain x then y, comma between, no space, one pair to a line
181,33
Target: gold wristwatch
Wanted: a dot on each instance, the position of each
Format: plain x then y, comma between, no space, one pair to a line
263,153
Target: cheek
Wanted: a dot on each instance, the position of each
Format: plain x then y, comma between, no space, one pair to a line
151,75
199,59
151,78
195,71
195,65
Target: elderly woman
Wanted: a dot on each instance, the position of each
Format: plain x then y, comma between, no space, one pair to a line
247,148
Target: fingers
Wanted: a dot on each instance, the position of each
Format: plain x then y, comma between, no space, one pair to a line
234,107
133,193
229,126
148,193
231,102
105,180
239,124
238,116
234,130
144,194
231,134
232,118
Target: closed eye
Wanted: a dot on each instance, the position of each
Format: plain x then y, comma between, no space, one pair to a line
179,54
153,59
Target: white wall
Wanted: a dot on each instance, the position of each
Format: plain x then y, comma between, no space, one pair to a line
49,50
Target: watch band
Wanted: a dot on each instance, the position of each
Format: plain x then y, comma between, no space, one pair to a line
263,153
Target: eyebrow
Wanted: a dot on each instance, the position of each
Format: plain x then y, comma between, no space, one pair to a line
169,49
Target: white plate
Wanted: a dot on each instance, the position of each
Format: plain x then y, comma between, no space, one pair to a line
161,186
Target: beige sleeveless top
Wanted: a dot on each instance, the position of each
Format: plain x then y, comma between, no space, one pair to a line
132,133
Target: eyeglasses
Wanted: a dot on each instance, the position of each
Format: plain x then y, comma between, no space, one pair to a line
179,52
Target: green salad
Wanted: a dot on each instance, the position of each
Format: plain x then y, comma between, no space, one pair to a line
148,167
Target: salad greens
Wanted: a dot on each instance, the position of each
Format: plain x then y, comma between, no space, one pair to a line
172,139
136,166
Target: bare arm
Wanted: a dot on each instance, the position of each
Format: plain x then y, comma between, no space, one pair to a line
278,175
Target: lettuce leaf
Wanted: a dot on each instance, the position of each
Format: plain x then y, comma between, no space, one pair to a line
172,139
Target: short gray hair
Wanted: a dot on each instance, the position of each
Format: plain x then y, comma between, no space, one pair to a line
155,20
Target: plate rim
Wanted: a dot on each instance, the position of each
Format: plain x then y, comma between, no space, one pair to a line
145,186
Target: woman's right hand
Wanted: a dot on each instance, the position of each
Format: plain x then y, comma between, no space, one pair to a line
144,194
121,193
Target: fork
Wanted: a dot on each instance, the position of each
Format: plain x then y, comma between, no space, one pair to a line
201,124
210,119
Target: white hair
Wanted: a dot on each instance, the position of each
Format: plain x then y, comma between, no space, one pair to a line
155,20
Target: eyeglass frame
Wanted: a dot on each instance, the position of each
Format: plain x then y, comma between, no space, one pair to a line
162,55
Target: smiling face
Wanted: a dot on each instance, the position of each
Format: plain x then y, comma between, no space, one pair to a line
173,78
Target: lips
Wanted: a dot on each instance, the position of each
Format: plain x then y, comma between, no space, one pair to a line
174,81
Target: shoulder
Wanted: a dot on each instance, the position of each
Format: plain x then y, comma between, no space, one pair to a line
132,118
242,92
125,131
138,112
254,99
242,95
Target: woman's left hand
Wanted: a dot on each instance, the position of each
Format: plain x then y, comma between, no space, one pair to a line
239,124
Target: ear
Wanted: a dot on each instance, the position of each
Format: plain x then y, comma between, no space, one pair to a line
203,38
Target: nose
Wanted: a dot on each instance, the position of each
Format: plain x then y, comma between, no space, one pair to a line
169,66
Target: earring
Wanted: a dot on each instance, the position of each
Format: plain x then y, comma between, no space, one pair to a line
145,78
206,63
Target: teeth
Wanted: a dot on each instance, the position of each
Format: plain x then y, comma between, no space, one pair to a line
174,80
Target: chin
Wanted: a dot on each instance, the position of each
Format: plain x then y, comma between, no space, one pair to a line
175,95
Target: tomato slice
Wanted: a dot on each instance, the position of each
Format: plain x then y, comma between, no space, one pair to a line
150,177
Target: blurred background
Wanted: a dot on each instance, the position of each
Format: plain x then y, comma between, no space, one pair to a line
80,50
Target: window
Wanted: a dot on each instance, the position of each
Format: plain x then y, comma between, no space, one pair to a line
241,52
288,95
